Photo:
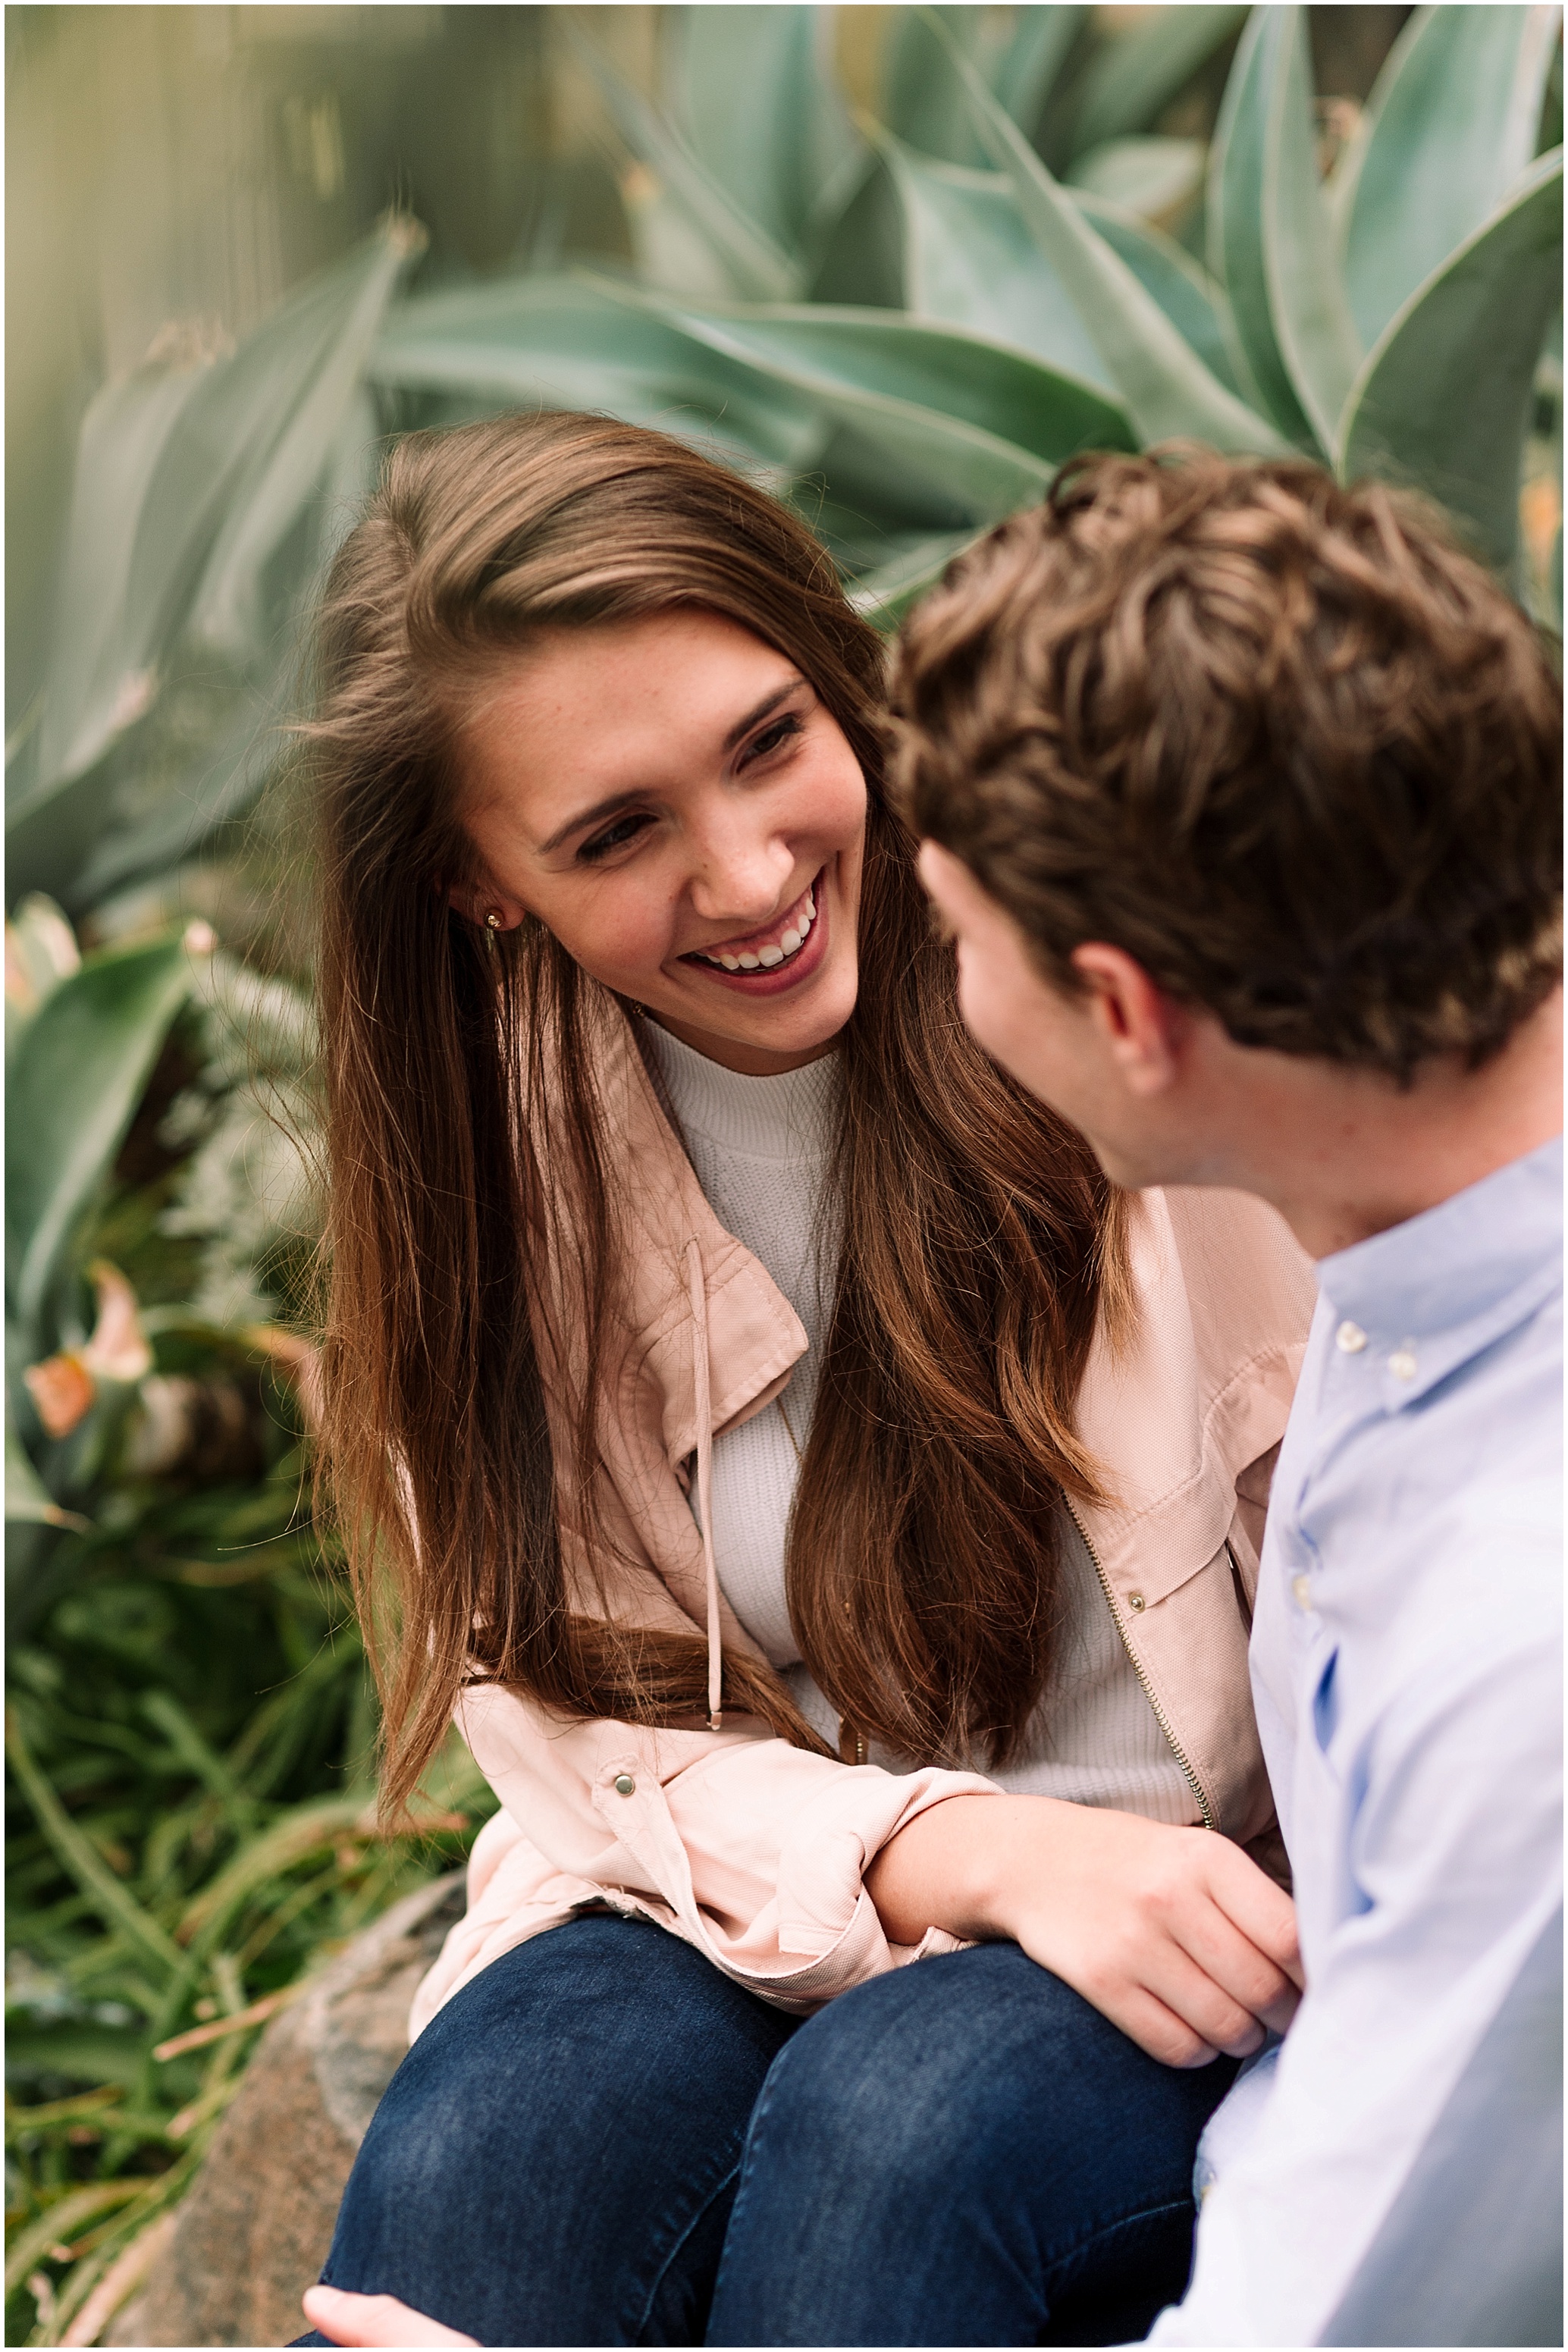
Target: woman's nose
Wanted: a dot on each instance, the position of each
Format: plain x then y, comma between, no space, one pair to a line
738,877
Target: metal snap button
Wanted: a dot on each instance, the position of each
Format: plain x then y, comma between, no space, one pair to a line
625,1785
1135,1601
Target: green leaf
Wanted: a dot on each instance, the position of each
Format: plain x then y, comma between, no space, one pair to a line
970,261
1238,161
1188,296
862,257
1024,74
756,266
755,94
886,595
26,1496
81,1859
983,425
1167,390
919,100
189,479
1270,237
1138,73
1449,127
579,342
58,2221
288,391
1444,398
70,1092
1155,177
104,652
1313,329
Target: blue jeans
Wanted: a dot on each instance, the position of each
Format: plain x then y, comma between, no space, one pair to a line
602,2140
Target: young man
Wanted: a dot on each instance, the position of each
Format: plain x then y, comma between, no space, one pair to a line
1241,793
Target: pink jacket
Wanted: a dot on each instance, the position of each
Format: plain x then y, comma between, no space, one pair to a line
755,1851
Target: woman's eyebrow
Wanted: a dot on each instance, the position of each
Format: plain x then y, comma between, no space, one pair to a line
618,801
600,810
769,702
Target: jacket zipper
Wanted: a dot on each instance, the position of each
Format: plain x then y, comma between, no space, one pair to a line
1161,1717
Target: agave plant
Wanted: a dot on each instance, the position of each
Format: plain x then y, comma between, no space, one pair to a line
1388,321
903,323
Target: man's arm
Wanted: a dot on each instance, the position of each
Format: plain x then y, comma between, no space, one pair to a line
1366,2163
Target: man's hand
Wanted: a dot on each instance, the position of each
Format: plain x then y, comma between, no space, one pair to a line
373,2319
1173,1933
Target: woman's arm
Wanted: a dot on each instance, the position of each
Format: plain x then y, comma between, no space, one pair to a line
1173,1933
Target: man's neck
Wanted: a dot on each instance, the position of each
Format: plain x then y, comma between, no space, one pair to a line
1343,1154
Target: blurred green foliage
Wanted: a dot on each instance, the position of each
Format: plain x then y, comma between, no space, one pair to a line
900,316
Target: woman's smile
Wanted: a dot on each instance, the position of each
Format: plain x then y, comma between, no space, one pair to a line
780,955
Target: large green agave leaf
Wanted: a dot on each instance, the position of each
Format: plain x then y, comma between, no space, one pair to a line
1155,177
188,485
1444,399
1188,296
104,655
970,261
919,101
78,1076
288,462
1449,127
573,341
755,94
1167,391
1139,73
1269,240
1024,74
1316,333
982,424
757,266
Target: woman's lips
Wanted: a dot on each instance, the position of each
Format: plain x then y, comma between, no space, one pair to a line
763,962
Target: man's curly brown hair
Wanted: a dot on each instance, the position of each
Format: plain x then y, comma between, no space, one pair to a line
1284,744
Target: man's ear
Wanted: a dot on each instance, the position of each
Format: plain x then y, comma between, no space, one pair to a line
1143,1028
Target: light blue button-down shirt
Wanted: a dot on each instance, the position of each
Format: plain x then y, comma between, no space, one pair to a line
1390,2178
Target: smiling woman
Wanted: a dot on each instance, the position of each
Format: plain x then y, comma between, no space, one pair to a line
752,1414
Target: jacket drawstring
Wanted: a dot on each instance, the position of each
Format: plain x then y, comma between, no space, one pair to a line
699,1292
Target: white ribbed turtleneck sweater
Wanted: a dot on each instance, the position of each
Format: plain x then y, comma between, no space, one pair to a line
761,1149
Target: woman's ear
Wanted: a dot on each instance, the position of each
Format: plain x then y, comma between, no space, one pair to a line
481,904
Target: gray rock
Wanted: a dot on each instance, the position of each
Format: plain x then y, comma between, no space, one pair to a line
253,2231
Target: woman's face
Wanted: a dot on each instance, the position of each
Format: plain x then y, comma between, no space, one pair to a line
670,797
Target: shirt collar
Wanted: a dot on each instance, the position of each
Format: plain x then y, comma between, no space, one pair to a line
1430,1293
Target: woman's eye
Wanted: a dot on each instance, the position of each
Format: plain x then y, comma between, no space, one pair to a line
777,732
615,836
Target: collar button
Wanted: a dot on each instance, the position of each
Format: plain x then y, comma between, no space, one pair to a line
1350,1338
1402,1364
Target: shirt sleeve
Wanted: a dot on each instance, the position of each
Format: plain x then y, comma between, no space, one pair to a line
1404,2083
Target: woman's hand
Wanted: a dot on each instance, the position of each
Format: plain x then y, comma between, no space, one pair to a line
348,2319
1173,1933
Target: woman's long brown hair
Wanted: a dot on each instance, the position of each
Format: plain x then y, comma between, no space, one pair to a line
980,1240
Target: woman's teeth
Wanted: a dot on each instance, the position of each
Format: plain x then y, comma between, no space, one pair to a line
790,943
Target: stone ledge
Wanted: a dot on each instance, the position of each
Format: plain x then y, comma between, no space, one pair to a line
253,2229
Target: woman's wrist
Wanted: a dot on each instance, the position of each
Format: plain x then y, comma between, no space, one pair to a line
958,1866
